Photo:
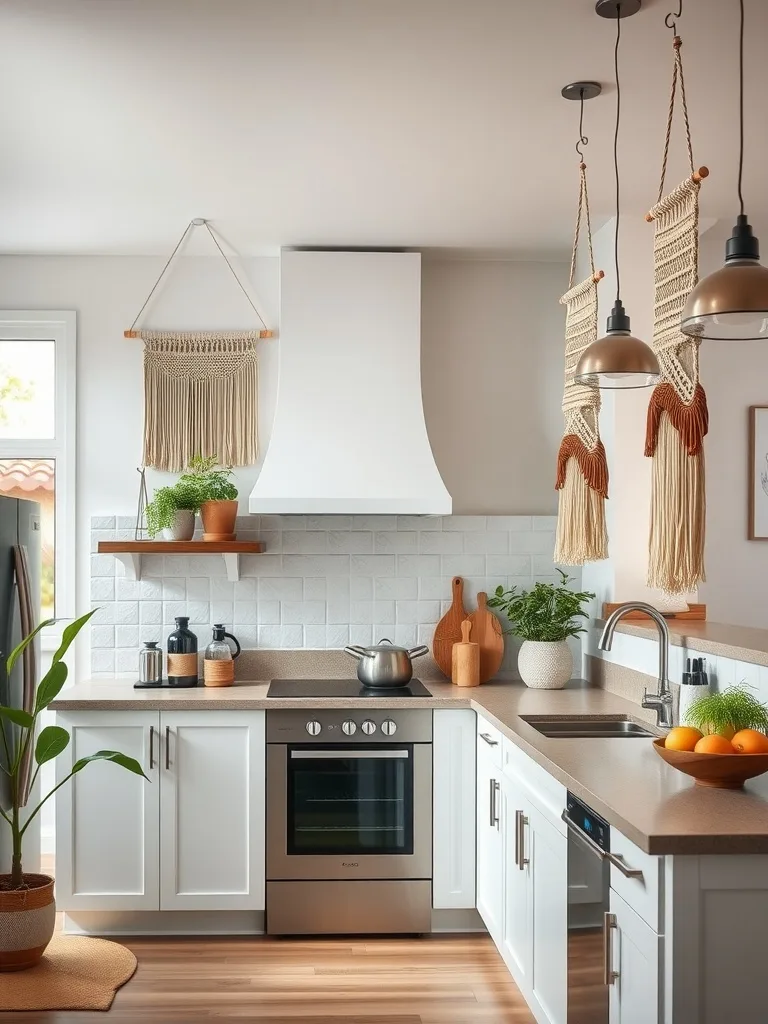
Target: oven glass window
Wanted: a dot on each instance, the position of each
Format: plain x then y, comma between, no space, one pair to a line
343,801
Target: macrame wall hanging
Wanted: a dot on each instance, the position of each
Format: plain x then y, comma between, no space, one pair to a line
582,468
200,387
677,413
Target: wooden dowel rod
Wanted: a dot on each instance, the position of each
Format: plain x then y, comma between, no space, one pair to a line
137,334
697,176
598,276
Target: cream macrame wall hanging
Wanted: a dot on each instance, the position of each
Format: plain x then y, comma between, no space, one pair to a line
200,388
582,469
677,413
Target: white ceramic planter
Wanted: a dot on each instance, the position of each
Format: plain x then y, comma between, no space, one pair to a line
183,526
545,665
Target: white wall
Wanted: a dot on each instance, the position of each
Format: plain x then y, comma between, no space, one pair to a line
492,369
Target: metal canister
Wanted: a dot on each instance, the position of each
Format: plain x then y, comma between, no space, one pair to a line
150,663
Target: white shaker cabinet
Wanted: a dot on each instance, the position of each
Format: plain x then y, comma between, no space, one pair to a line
453,809
212,810
632,966
490,842
108,819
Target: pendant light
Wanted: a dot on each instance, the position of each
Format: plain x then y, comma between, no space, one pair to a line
732,303
618,360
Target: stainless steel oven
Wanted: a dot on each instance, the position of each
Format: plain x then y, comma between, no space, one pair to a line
349,821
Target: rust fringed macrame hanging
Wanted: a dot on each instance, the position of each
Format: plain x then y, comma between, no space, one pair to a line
677,413
582,469
200,387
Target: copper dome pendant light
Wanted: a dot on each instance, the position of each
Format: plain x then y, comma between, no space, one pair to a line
618,360
732,303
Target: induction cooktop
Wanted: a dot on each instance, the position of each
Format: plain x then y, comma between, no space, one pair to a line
342,688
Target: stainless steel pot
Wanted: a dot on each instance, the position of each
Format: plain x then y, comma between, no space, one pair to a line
384,665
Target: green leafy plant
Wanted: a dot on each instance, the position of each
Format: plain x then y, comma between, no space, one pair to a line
733,709
18,728
166,501
547,613
208,482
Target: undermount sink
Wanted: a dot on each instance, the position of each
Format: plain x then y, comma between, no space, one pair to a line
617,727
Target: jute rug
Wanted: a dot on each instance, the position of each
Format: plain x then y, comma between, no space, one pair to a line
76,973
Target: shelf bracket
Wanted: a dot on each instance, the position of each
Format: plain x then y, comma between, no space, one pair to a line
232,563
131,562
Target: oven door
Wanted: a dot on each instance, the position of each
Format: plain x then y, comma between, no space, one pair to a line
349,812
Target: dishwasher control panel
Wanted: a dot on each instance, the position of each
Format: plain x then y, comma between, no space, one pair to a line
591,824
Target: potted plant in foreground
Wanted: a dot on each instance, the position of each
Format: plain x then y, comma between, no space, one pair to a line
544,618
173,509
27,908
217,497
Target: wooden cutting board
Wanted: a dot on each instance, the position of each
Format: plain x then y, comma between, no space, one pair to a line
487,633
448,629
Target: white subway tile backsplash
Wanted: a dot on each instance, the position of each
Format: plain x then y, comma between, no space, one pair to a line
324,581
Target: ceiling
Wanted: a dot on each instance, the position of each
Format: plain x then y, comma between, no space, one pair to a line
435,124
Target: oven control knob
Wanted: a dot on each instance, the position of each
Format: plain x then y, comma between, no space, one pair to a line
349,728
313,728
388,727
368,727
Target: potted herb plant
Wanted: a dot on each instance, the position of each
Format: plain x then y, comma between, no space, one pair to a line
27,908
173,509
544,618
216,495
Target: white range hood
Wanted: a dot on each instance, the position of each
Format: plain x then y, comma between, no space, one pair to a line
349,433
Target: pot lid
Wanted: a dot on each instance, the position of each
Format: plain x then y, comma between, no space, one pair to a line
385,645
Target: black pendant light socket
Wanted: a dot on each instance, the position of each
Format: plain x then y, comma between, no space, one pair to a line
618,320
743,244
617,8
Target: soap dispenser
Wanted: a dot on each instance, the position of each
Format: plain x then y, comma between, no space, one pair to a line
219,659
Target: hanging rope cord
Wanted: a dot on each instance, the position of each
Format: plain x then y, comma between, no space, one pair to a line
193,224
677,77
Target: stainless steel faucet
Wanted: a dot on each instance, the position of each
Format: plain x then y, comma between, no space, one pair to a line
660,702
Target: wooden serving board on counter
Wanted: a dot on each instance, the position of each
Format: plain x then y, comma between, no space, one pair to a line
448,629
488,634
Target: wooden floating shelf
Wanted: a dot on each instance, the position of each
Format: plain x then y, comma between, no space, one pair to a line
129,552
694,613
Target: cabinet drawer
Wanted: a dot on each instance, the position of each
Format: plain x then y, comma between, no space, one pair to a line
547,793
489,740
644,894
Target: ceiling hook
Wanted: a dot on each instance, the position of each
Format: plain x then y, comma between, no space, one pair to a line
670,20
581,91
583,140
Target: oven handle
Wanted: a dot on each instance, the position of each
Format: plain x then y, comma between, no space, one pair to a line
612,858
336,755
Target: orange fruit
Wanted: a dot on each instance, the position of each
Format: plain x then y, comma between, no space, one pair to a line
682,737
750,741
728,731
714,744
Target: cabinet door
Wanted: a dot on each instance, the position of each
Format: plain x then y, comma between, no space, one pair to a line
107,819
635,962
490,814
547,852
453,808
518,929
212,810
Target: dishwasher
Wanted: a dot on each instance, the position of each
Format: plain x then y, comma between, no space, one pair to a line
590,921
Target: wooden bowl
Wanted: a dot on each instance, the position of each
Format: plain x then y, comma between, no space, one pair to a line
718,771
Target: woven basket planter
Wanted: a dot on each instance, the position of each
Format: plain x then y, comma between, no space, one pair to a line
27,920
545,665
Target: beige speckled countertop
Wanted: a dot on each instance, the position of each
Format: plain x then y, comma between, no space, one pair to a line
742,643
624,780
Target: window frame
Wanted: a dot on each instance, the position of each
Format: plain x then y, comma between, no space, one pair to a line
59,326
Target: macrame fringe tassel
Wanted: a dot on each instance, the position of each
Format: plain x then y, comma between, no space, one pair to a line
678,510
582,535
691,421
593,464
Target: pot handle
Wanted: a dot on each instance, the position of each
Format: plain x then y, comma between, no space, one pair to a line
418,652
357,652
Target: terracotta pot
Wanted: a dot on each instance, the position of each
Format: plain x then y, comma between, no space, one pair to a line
27,920
183,527
219,519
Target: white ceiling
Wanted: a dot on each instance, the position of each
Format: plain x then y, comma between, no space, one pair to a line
415,123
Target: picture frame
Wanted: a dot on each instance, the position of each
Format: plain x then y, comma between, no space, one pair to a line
758,473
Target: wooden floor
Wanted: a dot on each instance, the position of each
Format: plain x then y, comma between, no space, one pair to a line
439,980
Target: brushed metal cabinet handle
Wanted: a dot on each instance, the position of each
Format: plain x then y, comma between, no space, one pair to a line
521,822
609,975
489,739
492,802
517,839
151,747
167,748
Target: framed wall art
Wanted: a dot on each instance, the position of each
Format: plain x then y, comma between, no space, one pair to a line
758,472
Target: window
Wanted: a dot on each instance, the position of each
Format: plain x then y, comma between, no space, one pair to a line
37,440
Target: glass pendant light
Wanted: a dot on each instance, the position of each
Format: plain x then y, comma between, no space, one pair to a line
732,303
618,360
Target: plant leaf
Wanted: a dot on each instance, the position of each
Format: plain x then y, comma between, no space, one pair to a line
69,634
18,717
51,685
129,763
50,743
17,651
